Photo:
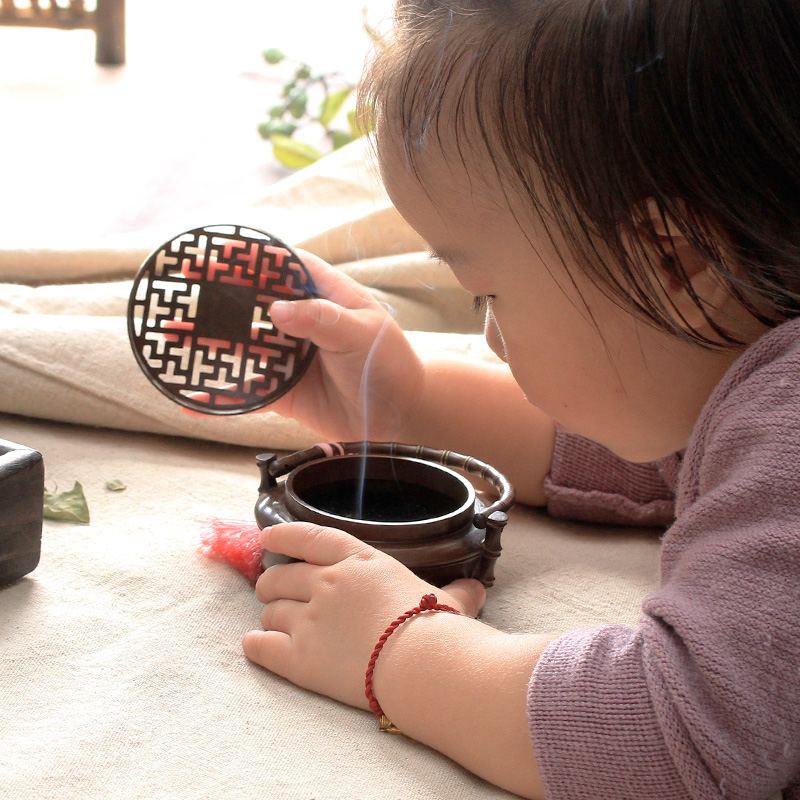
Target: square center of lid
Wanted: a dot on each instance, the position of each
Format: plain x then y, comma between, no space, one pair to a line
225,311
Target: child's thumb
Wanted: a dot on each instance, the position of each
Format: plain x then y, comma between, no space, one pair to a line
469,595
329,326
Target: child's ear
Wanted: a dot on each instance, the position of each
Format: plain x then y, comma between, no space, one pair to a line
680,263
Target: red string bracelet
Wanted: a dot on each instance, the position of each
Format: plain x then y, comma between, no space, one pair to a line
428,602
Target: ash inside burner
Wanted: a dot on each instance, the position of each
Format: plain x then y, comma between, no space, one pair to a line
381,500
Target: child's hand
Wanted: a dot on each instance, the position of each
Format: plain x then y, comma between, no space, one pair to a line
324,615
365,378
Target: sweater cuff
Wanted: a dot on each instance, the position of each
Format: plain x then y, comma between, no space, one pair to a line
592,721
590,483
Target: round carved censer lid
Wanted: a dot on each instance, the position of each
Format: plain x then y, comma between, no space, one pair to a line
199,324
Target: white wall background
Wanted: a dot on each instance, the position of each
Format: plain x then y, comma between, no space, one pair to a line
93,154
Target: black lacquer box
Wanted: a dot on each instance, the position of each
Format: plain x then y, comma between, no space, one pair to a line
21,496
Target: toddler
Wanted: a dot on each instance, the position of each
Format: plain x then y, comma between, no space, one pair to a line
618,183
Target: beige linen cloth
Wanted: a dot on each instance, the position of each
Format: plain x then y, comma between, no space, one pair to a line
121,672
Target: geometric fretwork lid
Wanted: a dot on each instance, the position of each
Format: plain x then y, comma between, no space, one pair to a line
199,324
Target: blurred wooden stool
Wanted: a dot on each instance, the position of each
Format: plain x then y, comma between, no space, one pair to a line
107,20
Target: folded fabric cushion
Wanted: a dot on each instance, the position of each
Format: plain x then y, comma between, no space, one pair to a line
80,369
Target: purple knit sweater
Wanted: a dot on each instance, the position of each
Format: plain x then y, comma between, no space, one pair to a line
703,700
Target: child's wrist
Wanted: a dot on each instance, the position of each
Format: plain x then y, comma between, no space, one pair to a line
461,687
428,603
421,662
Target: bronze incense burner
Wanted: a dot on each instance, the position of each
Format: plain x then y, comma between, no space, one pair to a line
200,329
407,501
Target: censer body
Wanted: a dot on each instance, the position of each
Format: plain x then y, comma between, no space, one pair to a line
407,501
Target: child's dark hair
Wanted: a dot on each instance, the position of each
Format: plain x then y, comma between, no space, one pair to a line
692,105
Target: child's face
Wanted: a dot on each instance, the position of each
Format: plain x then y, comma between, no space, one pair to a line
590,365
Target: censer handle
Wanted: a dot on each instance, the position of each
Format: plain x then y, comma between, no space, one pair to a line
468,464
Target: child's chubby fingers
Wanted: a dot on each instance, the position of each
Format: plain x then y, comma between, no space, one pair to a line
279,652
333,284
468,595
314,544
282,615
344,315
330,326
329,611
270,649
287,581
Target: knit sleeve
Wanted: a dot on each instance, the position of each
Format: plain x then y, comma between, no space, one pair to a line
703,700
588,482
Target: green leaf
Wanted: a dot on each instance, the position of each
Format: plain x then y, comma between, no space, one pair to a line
273,55
359,126
333,105
292,154
115,485
69,505
369,29
265,129
341,138
270,127
297,105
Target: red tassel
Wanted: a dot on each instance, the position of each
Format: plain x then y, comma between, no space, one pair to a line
234,541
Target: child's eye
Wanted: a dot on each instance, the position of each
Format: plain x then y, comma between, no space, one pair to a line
480,304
